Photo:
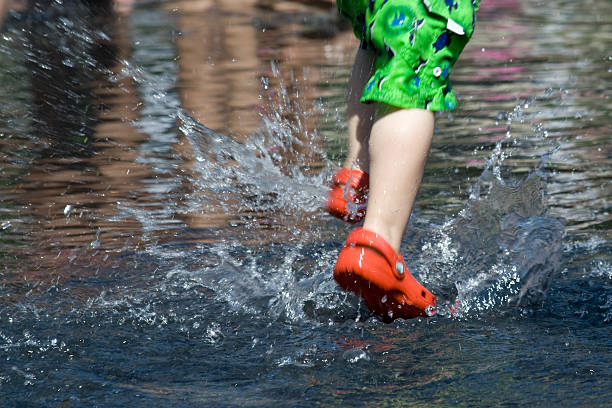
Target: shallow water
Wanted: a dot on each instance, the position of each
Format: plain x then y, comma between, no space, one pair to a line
162,239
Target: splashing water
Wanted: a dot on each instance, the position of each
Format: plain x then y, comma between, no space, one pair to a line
500,251
160,259
250,171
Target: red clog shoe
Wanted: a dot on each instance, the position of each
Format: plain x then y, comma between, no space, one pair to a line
348,195
368,266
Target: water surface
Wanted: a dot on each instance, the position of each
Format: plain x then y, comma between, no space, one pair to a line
162,239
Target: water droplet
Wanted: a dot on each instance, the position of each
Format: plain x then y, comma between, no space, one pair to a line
68,209
354,355
430,311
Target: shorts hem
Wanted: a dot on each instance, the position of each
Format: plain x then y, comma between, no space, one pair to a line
436,104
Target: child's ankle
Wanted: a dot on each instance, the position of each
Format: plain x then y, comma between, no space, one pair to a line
355,164
389,234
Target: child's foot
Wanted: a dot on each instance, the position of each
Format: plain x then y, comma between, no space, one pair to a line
368,266
348,195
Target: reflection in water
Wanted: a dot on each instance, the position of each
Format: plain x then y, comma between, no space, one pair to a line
64,69
85,157
219,63
161,236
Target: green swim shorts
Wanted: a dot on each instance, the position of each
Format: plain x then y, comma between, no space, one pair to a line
416,43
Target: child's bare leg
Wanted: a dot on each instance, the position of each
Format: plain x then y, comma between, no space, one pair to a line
398,147
360,115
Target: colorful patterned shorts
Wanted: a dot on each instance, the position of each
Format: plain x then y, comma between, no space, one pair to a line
416,43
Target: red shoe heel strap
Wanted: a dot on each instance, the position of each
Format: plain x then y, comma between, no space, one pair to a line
367,238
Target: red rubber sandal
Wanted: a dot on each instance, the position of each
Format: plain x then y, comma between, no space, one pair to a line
348,195
368,266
